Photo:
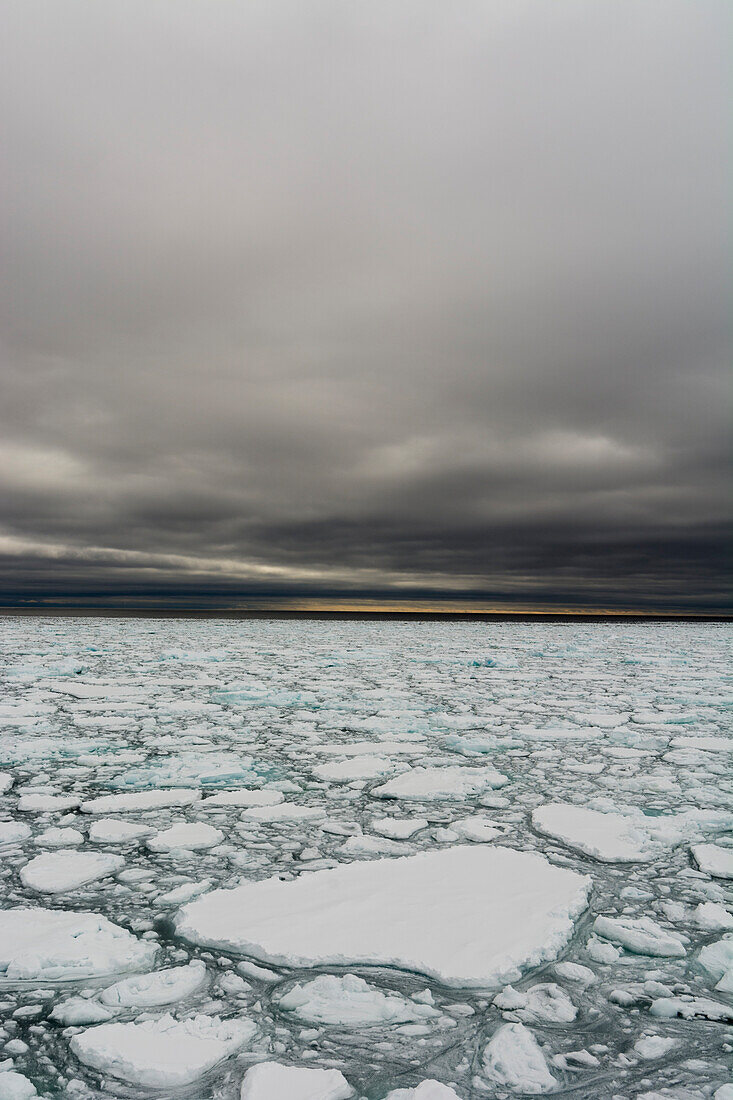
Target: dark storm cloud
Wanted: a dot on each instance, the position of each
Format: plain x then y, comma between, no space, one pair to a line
365,298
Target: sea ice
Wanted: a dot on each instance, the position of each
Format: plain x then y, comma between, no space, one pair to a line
399,828
163,1053
161,987
190,836
449,782
63,870
350,1002
16,1086
426,1090
286,811
53,945
110,830
468,915
13,832
513,1058
243,798
641,936
609,837
140,801
272,1081
714,860
358,767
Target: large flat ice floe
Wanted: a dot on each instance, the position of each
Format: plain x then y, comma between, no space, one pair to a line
164,1053
53,945
467,916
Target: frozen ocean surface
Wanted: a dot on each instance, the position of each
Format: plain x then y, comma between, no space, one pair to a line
310,860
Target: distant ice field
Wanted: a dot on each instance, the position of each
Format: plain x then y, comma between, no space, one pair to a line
282,860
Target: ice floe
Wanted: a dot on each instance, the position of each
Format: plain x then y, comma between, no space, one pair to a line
513,1058
468,915
350,1002
54,945
273,1081
63,870
449,782
163,1053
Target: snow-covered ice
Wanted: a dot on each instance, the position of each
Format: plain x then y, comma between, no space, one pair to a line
513,1058
467,916
386,833
350,1002
164,1053
272,1081
64,870
54,945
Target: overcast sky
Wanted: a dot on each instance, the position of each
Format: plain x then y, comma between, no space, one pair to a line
365,297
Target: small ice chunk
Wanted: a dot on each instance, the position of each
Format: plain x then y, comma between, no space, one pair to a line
350,1002
714,860
513,1058
13,832
63,870
426,1090
46,803
358,767
649,1047
543,1003
54,945
80,1012
286,811
112,830
164,1053
371,846
397,828
179,895
244,799
611,838
161,987
6,782
641,936
575,972
717,959
59,838
273,1081
712,917
16,1086
190,836
707,744
472,915
691,1008
140,801
448,782
477,828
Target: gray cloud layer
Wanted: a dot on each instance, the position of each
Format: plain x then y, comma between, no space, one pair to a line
334,297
